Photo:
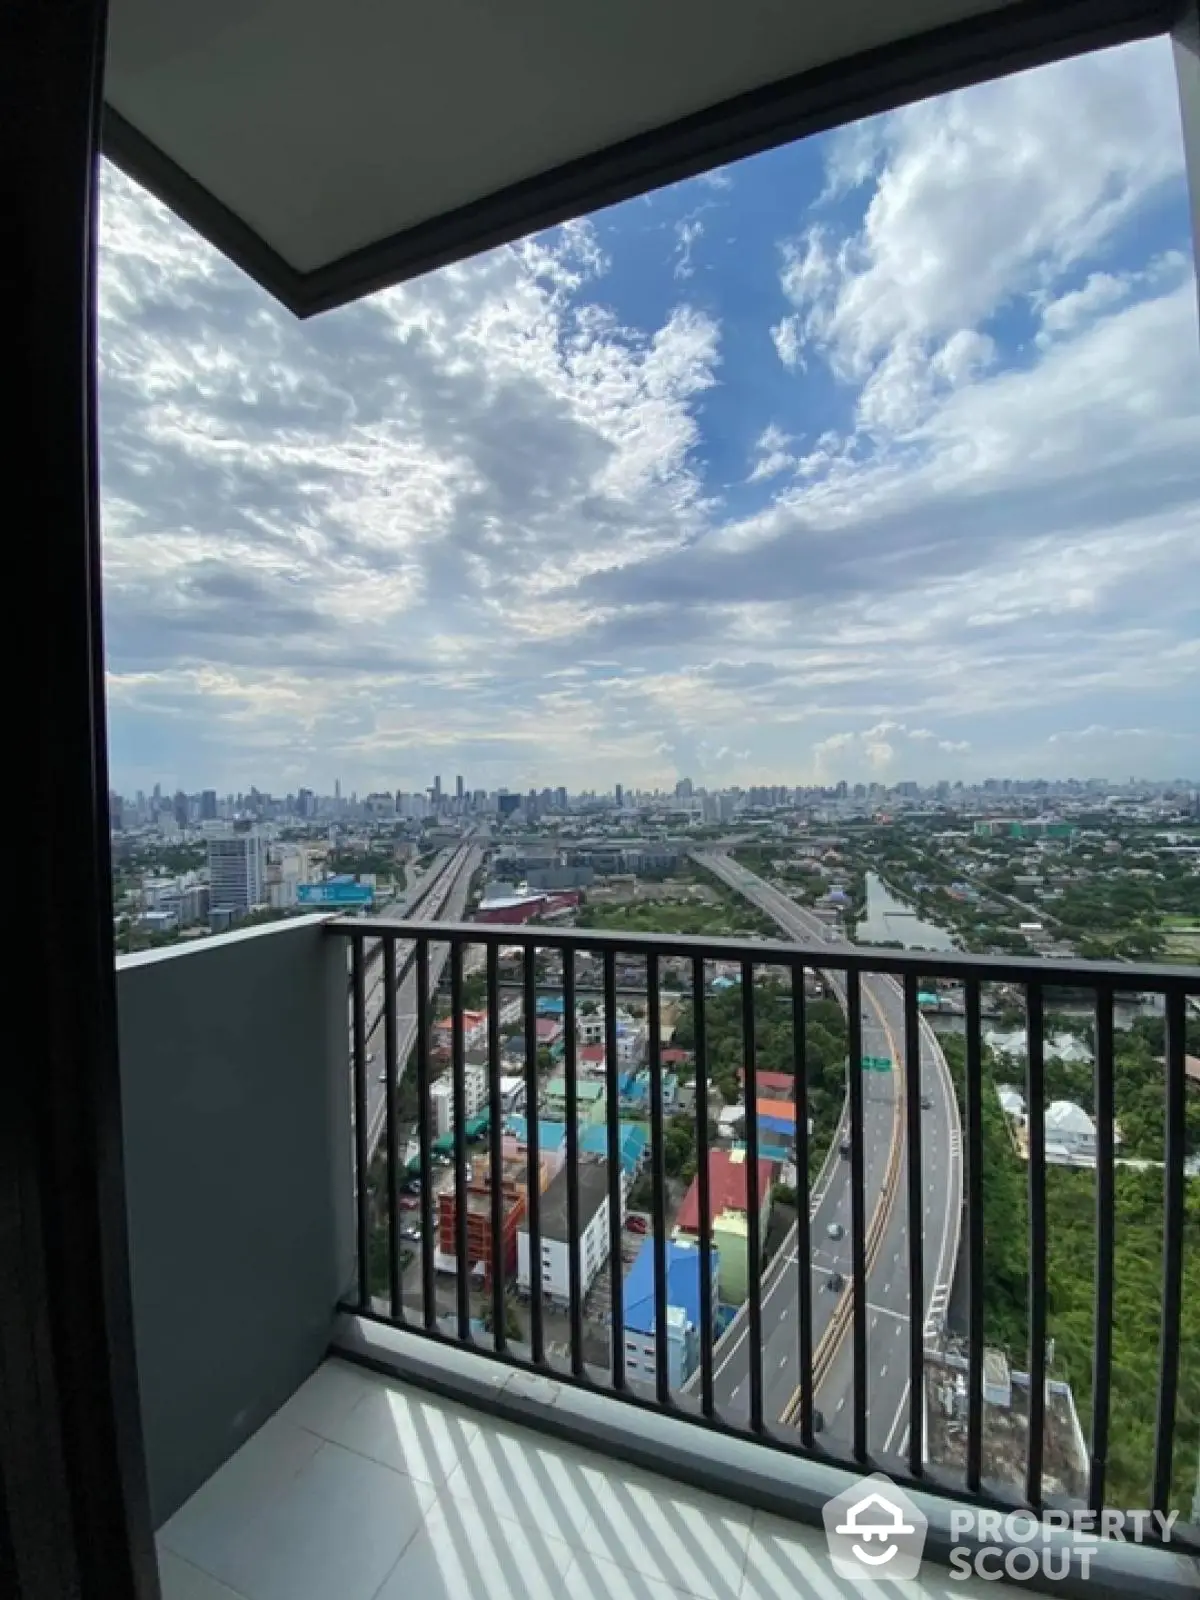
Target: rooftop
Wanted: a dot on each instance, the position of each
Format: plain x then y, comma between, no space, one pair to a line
554,1212
728,1173
683,1284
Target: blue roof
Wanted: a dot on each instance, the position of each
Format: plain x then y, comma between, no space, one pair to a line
778,1125
550,1134
683,1284
551,1005
593,1141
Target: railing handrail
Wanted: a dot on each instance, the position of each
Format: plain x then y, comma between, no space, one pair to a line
1049,971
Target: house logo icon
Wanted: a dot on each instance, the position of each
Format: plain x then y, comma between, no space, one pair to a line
874,1530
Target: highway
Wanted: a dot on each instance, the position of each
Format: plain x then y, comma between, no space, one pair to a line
440,896
887,1263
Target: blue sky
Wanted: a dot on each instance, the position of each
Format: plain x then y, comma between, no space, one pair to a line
873,457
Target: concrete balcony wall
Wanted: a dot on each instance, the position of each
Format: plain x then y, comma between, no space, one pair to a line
239,1175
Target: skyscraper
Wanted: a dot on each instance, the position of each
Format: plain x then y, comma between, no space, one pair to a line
459,789
235,872
208,805
618,795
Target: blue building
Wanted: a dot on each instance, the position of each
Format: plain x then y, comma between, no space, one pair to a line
634,1088
683,1263
550,1005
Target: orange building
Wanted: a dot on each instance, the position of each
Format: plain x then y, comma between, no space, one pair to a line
479,1228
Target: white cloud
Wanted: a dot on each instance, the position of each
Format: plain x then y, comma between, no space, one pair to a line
687,233
509,512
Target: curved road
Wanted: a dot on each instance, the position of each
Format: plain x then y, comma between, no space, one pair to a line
887,1272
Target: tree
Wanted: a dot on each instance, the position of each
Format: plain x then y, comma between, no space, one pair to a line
588,1008
514,1328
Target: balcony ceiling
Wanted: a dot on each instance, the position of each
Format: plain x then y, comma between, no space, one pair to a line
330,149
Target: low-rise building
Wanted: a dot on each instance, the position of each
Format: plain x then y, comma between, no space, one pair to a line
479,1260
732,1190
590,1100
592,1245
441,1098
683,1279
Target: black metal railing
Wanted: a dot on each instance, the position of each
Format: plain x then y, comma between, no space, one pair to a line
902,1156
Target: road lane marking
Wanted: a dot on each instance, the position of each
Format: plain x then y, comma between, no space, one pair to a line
887,1443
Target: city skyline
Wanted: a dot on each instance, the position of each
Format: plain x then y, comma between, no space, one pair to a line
812,466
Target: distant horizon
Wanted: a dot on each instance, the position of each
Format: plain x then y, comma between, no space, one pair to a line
666,791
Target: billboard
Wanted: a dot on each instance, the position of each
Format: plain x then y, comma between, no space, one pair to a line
334,892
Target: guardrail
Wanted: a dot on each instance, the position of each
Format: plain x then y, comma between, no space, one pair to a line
501,1192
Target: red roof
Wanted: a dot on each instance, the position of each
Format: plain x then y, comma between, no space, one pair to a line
772,1085
674,1054
727,1188
591,1052
547,1028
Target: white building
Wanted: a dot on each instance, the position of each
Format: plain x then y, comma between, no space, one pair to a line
592,1246
235,871
441,1098
1070,1133
591,1030
512,1094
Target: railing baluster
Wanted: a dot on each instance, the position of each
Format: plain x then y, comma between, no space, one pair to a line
395,1277
1036,1093
858,1208
916,1226
428,1286
753,1222
974,1108
533,1158
362,1158
1172,1253
462,1276
659,1198
803,1203
612,1114
498,1266
703,1187
1105,1222
571,1082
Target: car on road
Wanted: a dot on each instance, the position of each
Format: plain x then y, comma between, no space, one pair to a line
835,1282
410,1233
844,1149
926,1103
637,1224
383,1076
835,1231
818,1419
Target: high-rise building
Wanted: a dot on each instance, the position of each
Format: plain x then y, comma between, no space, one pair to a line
618,795
459,790
683,789
208,805
235,872
180,807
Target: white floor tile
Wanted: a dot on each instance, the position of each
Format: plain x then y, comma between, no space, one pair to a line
533,1480
691,1541
333,1532
407,1430
329,1396
593,1578
263,1467
179,1580
467,1552
790,1561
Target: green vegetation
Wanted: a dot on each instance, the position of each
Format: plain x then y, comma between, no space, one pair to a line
514,1328
825,1050
378,859
672,916
1070,1252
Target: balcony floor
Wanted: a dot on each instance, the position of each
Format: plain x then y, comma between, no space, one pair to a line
364,1488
